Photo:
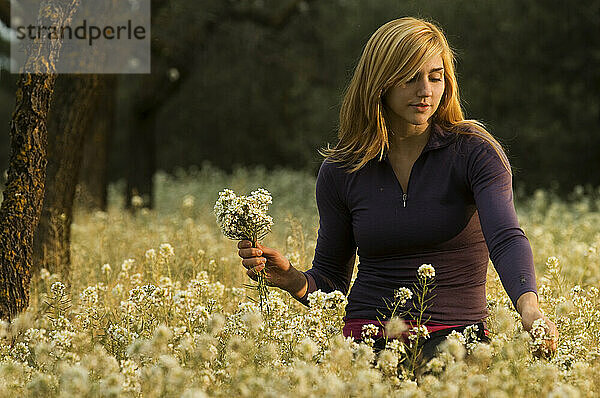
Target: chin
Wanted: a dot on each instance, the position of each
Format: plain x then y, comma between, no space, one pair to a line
420,122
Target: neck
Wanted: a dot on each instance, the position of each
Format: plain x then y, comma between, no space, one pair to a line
409,144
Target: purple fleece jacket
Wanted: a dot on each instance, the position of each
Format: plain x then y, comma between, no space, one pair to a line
457,213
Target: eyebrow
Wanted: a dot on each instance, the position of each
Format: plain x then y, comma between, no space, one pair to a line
431,71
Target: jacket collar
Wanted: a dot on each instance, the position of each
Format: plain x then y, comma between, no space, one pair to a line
438,138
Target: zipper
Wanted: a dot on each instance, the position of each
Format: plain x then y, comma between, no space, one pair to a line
405,194
423,151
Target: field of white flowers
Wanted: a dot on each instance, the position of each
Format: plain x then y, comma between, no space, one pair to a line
157,308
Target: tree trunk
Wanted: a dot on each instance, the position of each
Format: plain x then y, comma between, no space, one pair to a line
69,119
142,157
24,192
93,178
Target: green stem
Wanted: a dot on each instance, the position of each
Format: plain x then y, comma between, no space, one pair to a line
421,304
263,292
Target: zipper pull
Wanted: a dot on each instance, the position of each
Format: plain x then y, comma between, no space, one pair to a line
404,196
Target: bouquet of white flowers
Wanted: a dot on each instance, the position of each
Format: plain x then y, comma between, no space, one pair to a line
246,218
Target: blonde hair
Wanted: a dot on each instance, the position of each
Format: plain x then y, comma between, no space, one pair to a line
393,54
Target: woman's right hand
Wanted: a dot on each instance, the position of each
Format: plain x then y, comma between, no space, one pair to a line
279,271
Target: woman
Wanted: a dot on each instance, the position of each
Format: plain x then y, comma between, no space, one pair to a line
411,182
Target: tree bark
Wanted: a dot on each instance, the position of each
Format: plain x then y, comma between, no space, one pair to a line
68,121
23,195
93,178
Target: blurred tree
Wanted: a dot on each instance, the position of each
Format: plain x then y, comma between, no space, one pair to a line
531,72
93,178
68,124
23,196
76,101
180,31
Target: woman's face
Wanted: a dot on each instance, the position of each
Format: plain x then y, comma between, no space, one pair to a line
427,87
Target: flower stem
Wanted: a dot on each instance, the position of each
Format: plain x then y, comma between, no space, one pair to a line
263,291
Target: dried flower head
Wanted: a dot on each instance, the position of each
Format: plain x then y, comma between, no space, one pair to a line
395,327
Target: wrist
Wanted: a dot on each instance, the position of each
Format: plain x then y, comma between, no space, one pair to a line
527,304
298,284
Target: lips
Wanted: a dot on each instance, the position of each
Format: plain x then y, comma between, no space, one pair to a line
421,108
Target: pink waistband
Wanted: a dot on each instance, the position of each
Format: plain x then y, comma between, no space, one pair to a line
353,327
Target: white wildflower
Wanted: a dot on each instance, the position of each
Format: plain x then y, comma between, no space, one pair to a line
106,269
127,264
137,201
44,274
244,217
552,263
540,333
165,250
397,346
369,330
417,333
253,320
89,296
426,271
150,254
58,289
402,295
470,334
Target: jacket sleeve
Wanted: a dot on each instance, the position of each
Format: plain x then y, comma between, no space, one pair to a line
335,251
509,248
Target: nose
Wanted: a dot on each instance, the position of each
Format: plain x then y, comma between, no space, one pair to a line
424,88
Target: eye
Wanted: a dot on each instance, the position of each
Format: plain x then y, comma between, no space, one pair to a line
416,77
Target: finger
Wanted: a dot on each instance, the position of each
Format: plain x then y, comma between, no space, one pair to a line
250,252
266,250
244,243
253,262
253,272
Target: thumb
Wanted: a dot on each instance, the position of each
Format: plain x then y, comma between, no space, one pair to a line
267,251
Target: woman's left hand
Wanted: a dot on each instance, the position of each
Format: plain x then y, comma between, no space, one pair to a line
527,306
550,344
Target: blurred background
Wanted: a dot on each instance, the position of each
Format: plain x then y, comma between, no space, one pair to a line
241,82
